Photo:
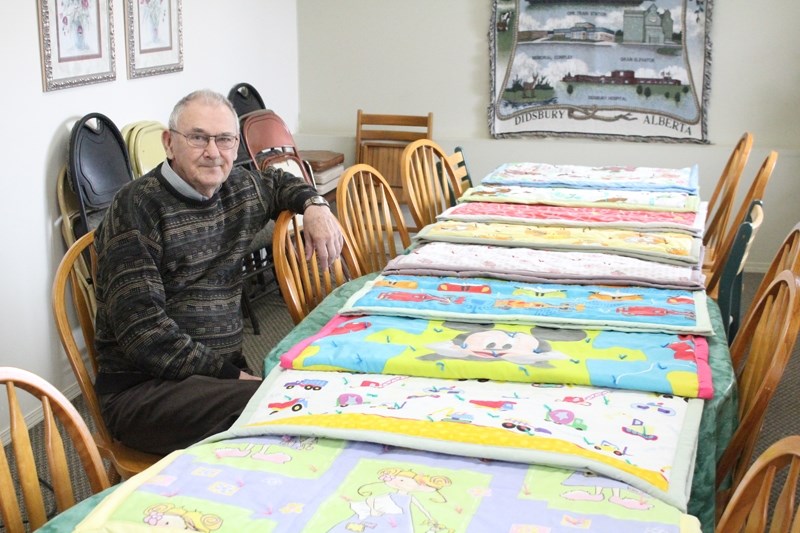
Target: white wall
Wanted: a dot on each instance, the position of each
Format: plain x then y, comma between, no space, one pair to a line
417,56
224,43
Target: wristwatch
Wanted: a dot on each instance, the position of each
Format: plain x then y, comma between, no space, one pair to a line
315,200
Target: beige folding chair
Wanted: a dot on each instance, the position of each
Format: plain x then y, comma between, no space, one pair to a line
303,283
759,356
55,407
370,217
749,507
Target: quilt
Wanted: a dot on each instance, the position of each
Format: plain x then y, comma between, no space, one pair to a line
644,439
288,484
598,217
663,247
541,266
653,362
613,198
603,177
613,69
554,305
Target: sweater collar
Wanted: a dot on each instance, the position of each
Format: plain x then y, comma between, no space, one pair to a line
180,185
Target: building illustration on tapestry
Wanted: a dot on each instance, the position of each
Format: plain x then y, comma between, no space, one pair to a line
640,62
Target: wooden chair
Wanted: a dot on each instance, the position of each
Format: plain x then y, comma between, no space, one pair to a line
125,461
759,355
370,217
429,181
730,282
787,258
381,139
720,206
749,505
303,284
459,165
55,407
756,191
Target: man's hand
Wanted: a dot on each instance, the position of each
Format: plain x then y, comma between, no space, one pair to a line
245,375
322,235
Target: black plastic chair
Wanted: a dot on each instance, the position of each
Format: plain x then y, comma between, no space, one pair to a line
245,99
97,167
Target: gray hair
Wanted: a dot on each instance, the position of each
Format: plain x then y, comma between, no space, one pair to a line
207,96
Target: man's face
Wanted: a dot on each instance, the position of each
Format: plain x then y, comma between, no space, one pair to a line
202,168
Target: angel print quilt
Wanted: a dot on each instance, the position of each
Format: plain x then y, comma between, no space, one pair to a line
552,305
604,177
541,266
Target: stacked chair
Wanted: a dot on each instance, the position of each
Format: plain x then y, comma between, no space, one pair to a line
245,99
145,147
61,420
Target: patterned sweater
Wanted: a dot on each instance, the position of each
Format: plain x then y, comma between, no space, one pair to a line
169,279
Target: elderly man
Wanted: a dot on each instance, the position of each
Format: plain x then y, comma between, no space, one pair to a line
169,280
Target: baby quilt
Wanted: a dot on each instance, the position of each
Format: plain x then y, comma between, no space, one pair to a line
597,217
614,198
644,439
287,484
653,362
541,266
553,305
663,247
607,177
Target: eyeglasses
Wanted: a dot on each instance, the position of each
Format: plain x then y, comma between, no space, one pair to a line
200,140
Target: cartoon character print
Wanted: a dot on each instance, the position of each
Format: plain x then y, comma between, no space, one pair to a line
483,342
175,517
593,488
393,510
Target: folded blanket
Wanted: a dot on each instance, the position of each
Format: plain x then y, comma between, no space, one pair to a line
618,199
643,439
541,266
652,362
662,247
553,305
608,177
285,484
596,217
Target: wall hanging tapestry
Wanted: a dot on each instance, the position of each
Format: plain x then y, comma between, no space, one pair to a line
614,69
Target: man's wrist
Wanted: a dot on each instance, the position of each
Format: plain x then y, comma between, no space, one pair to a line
315,200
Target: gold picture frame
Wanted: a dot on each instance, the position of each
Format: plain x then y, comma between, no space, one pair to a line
76,40
154,37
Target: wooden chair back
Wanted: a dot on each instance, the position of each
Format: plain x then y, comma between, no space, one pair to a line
730,279
125,461
759,355
459,164
381,138
787,258
429,181
749,507
720,206
370,217
303,283
55,407
756,192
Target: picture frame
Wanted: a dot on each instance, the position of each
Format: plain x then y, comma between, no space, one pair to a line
154,37
76,40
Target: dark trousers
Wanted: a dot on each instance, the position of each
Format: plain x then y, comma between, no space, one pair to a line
160,416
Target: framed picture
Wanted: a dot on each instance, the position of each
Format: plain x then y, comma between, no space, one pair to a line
77,42
154,36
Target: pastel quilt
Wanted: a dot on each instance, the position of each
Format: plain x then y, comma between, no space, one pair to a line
541,266
286,484
614,198
598,217
663,247
655,362
554,305
644,439
605,177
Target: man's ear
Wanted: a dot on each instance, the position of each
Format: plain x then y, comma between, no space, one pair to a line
166,140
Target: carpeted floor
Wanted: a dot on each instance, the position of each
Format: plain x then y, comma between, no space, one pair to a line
274,321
